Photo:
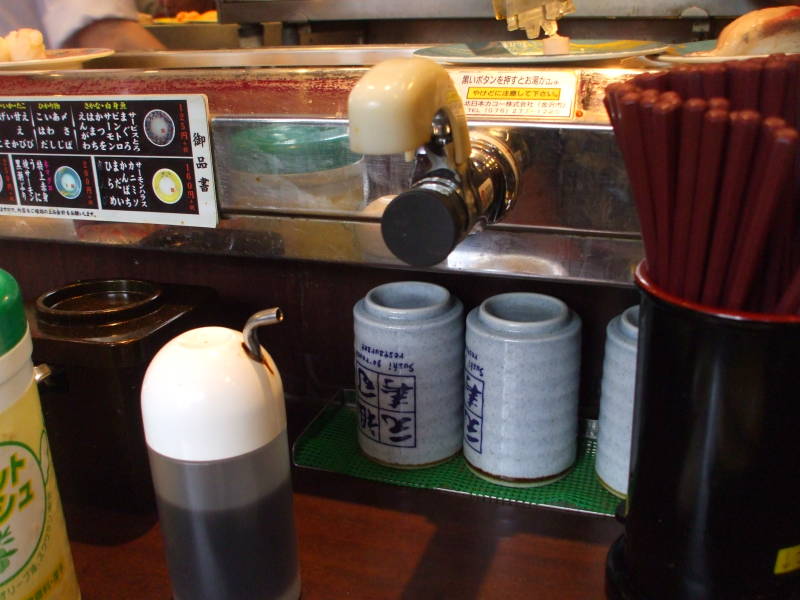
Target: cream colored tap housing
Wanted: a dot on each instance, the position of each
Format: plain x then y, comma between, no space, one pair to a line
391,108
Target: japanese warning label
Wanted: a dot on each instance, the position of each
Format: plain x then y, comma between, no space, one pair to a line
139,159
517,94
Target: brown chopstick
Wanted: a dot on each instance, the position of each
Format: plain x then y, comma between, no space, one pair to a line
713,138
714,80
744,81
774,77
743,135
777,262
764,143
631,131
718,102
652,80
791,100
688,161
647,101
789,303
663,149
781,147
707,176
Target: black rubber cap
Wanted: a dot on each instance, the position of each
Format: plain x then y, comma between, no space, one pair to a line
421,227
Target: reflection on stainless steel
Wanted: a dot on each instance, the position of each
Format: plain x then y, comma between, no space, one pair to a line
514,252
493,161
290,165
570,177
464,259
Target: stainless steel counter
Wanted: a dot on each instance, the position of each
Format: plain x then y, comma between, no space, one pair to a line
573,220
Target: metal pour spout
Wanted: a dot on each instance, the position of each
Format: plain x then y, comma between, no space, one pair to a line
268,316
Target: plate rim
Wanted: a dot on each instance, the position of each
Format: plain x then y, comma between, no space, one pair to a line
711,58
78,55
658,47
691,58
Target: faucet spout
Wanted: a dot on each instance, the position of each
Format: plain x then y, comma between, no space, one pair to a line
392,108
459,184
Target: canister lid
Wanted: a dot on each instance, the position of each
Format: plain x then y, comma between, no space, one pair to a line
205,398
12,313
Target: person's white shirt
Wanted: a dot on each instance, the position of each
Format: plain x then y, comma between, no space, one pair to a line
60,19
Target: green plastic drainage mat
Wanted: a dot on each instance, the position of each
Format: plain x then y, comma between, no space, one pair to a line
330,443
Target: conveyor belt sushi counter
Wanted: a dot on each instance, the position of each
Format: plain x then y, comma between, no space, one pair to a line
381,206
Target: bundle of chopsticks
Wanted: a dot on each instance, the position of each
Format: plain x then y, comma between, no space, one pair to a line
712,156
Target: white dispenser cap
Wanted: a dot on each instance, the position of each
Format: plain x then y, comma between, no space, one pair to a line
204,397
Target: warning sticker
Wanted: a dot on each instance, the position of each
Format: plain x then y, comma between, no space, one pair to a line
519,93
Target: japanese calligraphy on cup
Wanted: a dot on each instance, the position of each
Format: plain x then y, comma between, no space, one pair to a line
409,347
521,380
616,402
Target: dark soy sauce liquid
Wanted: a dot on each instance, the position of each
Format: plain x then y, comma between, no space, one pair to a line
247,552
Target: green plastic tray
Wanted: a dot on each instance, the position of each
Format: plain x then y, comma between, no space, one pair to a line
330,443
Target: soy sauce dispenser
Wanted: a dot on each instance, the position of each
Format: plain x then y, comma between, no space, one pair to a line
215,426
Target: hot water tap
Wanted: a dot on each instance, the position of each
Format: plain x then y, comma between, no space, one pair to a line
460,181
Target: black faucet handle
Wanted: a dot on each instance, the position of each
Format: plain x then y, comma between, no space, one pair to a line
422,226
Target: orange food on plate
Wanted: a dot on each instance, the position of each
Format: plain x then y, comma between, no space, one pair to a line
22,44
189,16
193,15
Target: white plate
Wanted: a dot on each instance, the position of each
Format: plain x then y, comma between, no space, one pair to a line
67,182
67,58
531,51
167,185
698,53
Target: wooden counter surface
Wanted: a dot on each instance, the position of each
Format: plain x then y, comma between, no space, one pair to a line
374,541
365,540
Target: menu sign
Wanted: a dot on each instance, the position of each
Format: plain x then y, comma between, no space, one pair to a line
517,93
138,159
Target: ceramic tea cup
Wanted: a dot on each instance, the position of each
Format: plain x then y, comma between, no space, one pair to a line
616,402
409,348
521,380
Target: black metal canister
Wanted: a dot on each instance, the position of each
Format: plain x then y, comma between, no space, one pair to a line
715,463
97,337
